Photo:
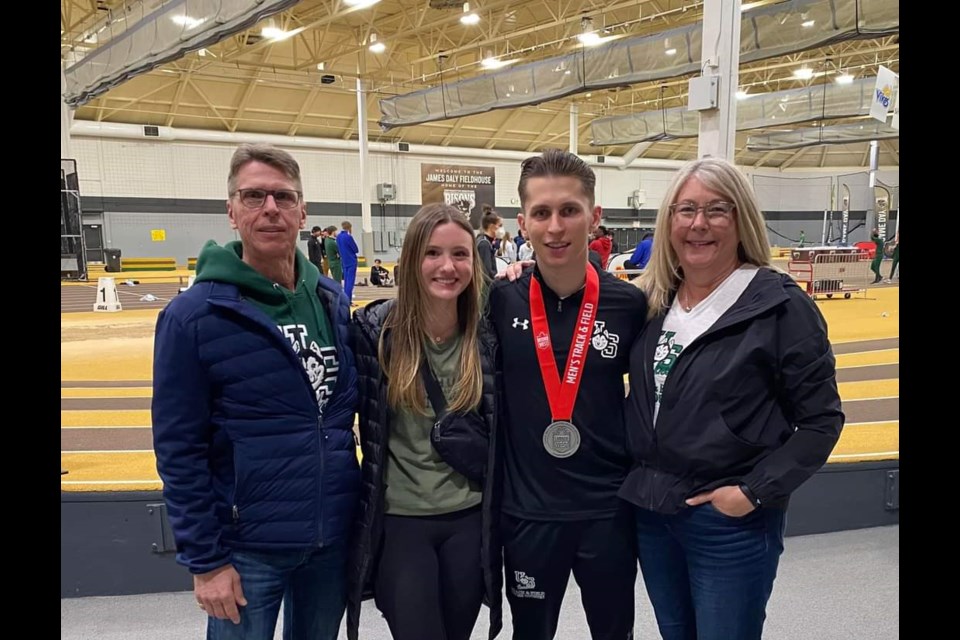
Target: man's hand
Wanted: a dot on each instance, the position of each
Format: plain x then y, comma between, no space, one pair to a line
515,270
219,593
730,501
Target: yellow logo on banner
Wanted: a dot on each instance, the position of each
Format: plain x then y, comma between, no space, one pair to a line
158,235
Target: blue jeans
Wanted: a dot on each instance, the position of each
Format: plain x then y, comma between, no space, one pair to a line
709,575
311,584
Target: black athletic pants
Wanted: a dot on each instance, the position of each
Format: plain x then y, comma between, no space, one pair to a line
429,582
539,557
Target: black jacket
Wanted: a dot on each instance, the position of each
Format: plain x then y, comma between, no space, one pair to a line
752,400
374,433
315,251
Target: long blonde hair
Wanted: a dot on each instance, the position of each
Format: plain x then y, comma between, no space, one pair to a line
664,274
406,322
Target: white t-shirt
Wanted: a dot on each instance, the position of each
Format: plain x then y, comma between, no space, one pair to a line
525,252
681,328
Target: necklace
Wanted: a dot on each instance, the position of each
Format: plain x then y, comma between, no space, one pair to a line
685,306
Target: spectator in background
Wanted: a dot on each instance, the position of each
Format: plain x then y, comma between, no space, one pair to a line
641,255
803,238
507,249
519,239
315,249
255,391
603,245
878,258
379,276
348,257
489,224
525,250
895,256
332,254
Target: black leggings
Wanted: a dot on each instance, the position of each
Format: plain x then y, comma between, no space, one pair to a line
429,582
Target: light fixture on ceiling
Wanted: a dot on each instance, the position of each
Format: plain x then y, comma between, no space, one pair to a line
360,4
803,73
468,16
670,52
588,37
271,31
375,45
844,78
186,21
742,94
321,66
806,24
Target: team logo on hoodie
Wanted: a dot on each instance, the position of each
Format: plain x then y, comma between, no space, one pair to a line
320,363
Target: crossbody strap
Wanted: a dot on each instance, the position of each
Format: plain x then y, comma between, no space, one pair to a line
434,392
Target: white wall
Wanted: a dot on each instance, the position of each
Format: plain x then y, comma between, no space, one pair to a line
112,167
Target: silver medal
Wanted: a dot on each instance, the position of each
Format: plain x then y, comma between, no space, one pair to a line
561,439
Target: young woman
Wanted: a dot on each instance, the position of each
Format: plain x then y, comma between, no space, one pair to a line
424,540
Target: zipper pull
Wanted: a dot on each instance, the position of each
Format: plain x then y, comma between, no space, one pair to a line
236,514
559,306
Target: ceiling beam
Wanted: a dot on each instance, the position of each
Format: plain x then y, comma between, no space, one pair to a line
210,105
295,125
511,114
892,150
763,158
129,102
796,156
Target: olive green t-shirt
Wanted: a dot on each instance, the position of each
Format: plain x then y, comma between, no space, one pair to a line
419,482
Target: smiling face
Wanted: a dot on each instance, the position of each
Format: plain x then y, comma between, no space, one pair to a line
447,266
706,248
267,232
557,219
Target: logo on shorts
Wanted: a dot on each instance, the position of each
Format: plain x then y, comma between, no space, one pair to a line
525,586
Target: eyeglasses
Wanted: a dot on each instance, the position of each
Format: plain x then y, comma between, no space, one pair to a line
712,211
254,198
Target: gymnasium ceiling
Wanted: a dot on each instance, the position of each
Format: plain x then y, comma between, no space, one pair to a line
249,83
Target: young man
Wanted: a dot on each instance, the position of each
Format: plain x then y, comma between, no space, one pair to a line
379,276
315,249
332,253
568,327
349,250
603,245
490,222
254,393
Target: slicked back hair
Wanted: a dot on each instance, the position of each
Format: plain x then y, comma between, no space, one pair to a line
560,164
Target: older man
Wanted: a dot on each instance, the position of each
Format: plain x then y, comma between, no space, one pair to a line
253,403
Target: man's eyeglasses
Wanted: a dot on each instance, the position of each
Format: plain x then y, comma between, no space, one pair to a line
254,198
712,211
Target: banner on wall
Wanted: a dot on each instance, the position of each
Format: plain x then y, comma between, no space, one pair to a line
467,188
883,91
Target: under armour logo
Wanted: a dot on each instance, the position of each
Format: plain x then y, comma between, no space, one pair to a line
522,324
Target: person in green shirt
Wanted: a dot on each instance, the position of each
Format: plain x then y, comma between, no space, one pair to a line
895,256
423,541
333,253
878,257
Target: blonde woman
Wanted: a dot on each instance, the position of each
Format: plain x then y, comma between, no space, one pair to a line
733,404
423,545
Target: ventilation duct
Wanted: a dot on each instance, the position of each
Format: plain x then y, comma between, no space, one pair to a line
756,111
766,32
836,134
138,37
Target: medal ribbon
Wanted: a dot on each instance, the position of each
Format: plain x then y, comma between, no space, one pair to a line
562,393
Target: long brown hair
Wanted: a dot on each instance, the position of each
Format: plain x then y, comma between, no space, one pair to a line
406,322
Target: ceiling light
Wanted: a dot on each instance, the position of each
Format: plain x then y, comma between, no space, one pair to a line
490,62
844,78
375,45
360,4
742,94
321,66
187,21
588,37
806,24
468,16
271,31
803,73
670,52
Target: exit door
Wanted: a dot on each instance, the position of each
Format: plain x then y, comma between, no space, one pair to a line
93,239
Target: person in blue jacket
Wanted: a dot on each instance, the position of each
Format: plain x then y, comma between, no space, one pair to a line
348,249
254,394
641,255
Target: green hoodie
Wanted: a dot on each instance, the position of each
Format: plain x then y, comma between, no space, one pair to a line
299,314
